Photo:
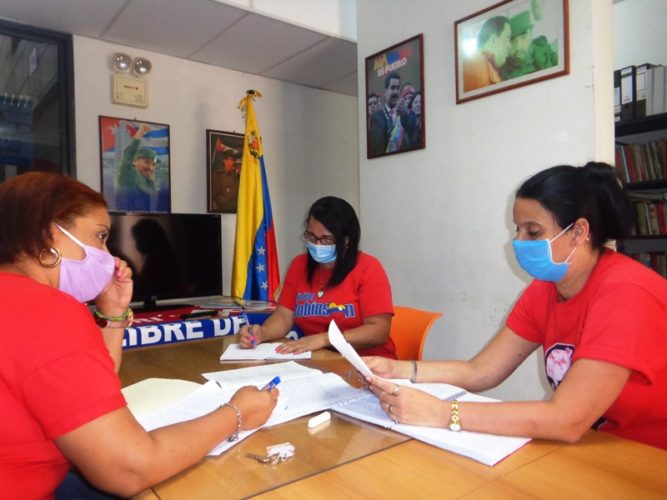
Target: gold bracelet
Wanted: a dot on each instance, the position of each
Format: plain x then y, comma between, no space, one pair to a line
455,420
413,379
239,420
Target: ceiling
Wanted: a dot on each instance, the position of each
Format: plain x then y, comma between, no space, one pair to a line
205,31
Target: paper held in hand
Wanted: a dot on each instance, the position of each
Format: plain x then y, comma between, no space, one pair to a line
485,448
337,340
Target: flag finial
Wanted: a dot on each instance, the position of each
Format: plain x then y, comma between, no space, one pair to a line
249,94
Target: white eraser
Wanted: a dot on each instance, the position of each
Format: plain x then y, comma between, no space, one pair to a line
319,419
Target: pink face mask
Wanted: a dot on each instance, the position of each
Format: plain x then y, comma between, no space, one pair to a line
85,279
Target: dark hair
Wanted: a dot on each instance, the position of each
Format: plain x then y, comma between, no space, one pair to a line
492,26
338,216
593,192
31,202
391,76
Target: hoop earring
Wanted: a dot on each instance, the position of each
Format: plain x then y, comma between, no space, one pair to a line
53,251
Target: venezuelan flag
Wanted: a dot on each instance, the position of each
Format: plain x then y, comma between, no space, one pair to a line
255,274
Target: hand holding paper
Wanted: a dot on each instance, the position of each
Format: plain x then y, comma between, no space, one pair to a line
337,340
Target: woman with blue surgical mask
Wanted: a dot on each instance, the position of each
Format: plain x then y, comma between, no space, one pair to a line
599,317
60,395
332,280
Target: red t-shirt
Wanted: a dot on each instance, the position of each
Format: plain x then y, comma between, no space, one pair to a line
364,292
620,316
56,374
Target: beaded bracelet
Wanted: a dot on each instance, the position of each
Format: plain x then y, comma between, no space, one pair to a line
123,321
122,317
234,436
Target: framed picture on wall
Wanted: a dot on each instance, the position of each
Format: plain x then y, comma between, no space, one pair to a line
395,99
223,170
134,162
510,44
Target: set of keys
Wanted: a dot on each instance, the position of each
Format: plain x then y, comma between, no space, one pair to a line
274,454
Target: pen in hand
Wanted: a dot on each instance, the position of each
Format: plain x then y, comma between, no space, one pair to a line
253,339
274,382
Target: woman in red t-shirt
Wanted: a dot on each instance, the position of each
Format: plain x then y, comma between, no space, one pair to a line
332,281
60,394
599,316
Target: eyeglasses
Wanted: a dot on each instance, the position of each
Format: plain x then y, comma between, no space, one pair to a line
324,240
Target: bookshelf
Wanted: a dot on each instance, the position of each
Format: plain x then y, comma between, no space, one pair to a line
641,160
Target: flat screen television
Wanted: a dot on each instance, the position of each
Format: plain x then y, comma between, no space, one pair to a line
172,256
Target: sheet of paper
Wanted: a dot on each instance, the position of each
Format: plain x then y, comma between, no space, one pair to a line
312,394
261,352
260,375
337,340
206,399
152,394
488,449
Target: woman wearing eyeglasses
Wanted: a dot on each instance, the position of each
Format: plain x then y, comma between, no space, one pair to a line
333,280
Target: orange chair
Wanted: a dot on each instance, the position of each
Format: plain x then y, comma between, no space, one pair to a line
409,327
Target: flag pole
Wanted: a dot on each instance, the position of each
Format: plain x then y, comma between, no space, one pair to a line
255,273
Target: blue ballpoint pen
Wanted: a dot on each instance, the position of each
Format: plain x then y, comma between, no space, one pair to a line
253,340
274,382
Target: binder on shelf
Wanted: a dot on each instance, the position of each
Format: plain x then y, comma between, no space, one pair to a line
643,82
628,93
617,95
658,90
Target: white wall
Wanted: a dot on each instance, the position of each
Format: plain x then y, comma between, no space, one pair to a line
639,32
310,136
440,218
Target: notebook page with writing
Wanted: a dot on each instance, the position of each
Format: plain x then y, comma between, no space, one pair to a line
259,375
488,449
312,394
206,399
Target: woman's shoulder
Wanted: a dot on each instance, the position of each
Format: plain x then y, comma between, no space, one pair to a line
38,292
617,269
300,260
368,259
299,264
369,263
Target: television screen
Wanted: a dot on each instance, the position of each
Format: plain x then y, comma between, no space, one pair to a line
172,256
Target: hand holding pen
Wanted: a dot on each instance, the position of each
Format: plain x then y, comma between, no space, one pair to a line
256,405
274,382
249,335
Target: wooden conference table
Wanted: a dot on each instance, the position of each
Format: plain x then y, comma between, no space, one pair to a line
350,458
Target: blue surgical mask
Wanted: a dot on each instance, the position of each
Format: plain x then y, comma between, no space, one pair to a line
534,257
322,254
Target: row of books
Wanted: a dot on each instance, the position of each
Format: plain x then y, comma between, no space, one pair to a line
651,218
642,161
639,91
655,260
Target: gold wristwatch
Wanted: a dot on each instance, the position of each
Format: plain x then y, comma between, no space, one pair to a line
455,421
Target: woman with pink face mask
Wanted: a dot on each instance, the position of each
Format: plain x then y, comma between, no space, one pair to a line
60,394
